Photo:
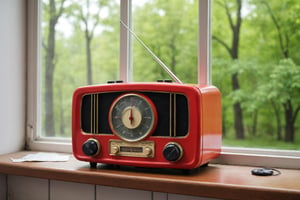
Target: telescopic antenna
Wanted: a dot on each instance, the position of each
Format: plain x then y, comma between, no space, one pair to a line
152,54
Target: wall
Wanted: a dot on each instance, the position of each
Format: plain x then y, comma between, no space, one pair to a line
12,75
22,188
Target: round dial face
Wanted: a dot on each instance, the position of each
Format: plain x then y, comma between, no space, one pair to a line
132,117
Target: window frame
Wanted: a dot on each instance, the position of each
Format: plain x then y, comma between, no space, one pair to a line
229,155
33,140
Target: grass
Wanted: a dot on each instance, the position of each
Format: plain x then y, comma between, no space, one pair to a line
261,142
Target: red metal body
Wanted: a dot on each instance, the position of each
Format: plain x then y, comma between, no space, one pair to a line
201,144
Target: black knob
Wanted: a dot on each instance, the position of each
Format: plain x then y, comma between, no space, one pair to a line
164,80
91,147
172,152
117,81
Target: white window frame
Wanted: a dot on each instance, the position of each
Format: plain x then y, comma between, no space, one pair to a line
229,155
33,139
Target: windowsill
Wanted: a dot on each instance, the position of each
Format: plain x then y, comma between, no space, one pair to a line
216,181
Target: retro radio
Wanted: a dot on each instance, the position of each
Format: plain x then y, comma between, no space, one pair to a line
165,125
156,124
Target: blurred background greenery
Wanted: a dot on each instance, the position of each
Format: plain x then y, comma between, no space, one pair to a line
255,59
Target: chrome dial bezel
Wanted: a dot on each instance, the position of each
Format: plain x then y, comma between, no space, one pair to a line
141,107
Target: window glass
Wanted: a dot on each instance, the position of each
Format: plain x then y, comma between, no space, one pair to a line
256,65
255,59
170,30
80,46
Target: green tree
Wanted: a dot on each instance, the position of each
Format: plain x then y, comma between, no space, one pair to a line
52,15
88,15
233,11
171,33
70,60
284,21
284,87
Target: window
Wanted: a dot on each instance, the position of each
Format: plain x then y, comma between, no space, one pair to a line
79,47
78,44
254,53
256,65
172,47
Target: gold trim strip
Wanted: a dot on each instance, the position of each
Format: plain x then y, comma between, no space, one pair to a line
174,116
94,113
170,116
97,114
91,113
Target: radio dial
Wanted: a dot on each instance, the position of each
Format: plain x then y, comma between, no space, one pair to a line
132,117
172,152
91,147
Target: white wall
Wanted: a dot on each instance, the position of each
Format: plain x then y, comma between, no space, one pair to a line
12,74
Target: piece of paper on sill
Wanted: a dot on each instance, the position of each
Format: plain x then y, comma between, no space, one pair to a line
42,157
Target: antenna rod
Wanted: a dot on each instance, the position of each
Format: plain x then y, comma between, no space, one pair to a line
152,54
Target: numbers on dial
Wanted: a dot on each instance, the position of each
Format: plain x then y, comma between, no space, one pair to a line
132,117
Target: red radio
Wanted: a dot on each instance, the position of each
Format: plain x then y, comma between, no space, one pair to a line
164,125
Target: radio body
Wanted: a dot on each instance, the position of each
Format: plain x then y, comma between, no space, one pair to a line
161,125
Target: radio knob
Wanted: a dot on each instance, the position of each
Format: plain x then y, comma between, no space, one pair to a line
91,147
115,150
172,152
148,151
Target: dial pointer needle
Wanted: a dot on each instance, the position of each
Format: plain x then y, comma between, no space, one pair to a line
130,116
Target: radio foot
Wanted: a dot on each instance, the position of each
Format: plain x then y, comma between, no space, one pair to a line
191,171
204,165
115,166
186,171
93,165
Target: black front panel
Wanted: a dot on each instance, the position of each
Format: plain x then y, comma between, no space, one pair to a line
94,112
181,118
172,111
162,104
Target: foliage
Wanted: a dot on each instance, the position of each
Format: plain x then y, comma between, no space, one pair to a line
267,66
171,33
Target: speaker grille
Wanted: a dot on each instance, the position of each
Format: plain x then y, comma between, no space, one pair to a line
172,111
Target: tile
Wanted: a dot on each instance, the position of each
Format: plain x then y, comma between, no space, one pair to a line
187,197
69,190
159,196
21,188
114,193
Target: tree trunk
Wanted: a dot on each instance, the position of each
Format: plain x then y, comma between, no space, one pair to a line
289,114
50,67
224,128
88,40
254,123
234,52
49,72
61,113
283,37
278,121
289,122
238,114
